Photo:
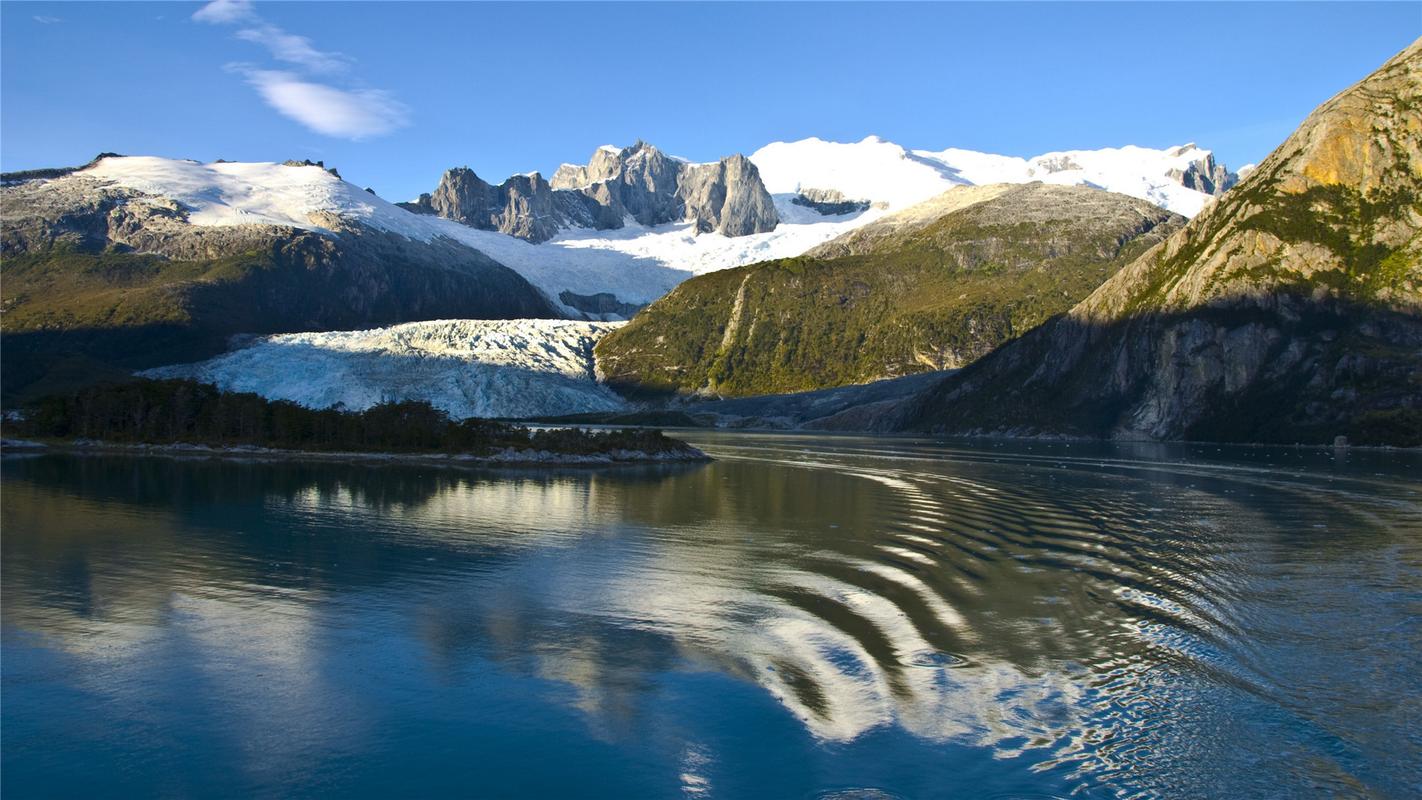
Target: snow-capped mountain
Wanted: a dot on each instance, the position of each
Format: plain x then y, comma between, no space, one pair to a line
468,368
820,190
1180,179
634,264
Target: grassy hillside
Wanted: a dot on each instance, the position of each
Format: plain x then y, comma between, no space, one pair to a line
929,294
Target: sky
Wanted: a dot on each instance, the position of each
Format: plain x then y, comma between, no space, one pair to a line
393,94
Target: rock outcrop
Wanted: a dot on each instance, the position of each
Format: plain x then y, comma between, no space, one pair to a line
726,197
829,202
1203,175
1290,310
640,182
521,206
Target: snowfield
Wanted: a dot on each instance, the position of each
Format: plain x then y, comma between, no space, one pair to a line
883,172
468,368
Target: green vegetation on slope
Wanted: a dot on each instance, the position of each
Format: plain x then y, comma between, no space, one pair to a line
1288,311
169,412
66,288
932,297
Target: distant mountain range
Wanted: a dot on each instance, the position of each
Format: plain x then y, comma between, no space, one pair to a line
1120,292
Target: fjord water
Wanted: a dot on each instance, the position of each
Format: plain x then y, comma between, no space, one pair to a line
804,617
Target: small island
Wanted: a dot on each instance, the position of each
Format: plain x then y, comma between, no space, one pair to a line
179,416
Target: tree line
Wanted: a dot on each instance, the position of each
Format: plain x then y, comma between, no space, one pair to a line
181,411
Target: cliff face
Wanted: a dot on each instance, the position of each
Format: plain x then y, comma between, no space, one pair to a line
1289,310
640,181
522,206
727,197
933,287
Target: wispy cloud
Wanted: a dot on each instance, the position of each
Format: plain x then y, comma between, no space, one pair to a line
351,113
46,20
293,49
225,12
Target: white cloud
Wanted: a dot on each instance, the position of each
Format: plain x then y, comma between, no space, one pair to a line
223,12
47,20
349,114
293,48
326,109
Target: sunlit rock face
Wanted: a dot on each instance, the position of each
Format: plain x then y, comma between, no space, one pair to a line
1289,310
639,182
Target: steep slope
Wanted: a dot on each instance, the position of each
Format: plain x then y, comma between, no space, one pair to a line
1290,310
468,368
106,269
931,288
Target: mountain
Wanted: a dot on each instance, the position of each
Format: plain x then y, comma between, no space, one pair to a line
176,255
1288,311
932,287
836,176
467,368
135,262
640,182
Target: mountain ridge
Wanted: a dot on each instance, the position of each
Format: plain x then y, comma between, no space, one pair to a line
639,181
1291,310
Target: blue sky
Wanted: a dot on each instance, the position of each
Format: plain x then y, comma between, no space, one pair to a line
395,93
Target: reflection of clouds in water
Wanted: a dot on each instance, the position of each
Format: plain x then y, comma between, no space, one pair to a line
259,648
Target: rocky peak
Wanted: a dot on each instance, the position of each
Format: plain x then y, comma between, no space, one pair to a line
521,206
1203,174
639,181
727,197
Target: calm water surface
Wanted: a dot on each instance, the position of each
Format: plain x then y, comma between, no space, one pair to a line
805,617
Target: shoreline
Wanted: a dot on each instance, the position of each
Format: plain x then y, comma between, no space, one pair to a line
503,458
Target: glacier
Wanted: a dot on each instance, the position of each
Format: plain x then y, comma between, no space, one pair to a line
467,368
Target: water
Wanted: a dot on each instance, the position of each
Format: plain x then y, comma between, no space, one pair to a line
806,617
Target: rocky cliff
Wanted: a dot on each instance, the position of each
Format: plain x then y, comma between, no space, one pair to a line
726,197
933,287
1203,175
1289,310
640,181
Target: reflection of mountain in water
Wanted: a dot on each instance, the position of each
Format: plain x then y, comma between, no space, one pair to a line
1006,599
